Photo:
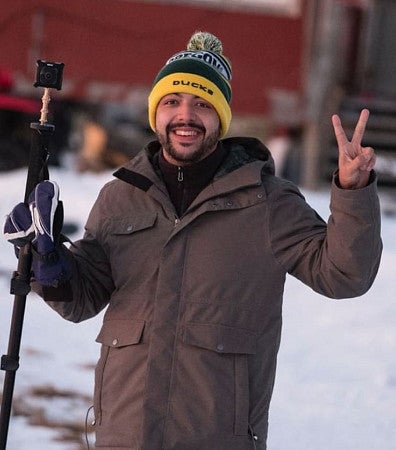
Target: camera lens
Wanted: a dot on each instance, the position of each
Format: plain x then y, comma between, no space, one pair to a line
49,76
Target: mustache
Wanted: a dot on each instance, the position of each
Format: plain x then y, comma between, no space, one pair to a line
172,126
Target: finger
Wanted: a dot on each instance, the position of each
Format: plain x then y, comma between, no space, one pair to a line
360,127
370,158
371,163
339,131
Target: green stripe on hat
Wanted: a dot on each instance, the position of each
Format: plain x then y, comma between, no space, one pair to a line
199,68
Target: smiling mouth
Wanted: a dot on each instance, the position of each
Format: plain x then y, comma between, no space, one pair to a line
186,129
185,132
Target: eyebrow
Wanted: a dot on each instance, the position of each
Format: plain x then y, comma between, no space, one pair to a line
178,94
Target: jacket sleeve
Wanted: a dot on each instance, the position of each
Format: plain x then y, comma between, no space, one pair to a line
91,284
339,259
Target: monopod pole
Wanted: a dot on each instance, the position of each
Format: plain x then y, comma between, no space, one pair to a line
20,282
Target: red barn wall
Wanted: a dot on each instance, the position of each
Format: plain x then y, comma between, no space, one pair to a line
126,42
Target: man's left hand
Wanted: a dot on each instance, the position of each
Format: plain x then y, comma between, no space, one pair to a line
354,161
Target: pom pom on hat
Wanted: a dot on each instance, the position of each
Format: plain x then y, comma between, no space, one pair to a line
202,40
201,70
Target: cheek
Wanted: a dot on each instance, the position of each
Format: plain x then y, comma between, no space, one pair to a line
213,120
160,124
212,124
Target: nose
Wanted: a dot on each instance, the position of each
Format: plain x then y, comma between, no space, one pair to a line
185,112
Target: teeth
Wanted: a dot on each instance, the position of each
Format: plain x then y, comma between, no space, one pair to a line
185,133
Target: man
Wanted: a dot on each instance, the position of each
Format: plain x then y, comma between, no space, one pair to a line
188,248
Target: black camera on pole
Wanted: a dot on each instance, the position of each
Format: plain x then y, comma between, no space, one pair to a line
49,75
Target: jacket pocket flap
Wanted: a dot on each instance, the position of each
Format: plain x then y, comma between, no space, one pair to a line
128,225
220,338
119,333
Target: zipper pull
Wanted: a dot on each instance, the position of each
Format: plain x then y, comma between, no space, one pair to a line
180,175
253,435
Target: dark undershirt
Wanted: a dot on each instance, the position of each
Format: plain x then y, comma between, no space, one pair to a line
185,183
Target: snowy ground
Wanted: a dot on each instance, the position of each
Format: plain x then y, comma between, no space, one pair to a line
336,380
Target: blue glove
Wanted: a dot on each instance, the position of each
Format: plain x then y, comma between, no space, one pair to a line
18,227
41,224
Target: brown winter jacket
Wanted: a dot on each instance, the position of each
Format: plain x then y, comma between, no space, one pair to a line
192,329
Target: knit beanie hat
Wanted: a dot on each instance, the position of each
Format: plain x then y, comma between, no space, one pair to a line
200,70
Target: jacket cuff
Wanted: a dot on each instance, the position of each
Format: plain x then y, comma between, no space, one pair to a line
372,179
356,201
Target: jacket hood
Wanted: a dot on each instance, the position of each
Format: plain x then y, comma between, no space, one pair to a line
243,150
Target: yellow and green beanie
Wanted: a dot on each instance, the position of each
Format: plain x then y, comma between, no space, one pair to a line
200,70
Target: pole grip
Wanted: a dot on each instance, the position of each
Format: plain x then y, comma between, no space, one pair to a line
39,154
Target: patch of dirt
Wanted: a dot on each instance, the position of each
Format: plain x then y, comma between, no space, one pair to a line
64,410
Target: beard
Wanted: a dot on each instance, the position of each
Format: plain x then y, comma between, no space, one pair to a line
207,145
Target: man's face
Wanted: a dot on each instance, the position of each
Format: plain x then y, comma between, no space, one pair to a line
187,127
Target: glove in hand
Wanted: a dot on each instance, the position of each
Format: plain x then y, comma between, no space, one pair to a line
44,205
18,226
41,224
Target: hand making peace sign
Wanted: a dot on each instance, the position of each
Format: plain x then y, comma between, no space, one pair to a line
354,161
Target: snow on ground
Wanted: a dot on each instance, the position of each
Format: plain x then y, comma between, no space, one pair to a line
336,379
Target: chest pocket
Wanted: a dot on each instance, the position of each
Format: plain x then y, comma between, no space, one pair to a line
130,225
130,243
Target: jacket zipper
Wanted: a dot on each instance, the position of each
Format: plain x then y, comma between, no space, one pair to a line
180,179
180,175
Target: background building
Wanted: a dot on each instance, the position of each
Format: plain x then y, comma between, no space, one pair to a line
295,63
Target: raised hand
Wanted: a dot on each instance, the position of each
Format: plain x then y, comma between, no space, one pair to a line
40,223
354,161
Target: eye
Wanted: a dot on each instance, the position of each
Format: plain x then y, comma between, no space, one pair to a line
169,101
203,104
